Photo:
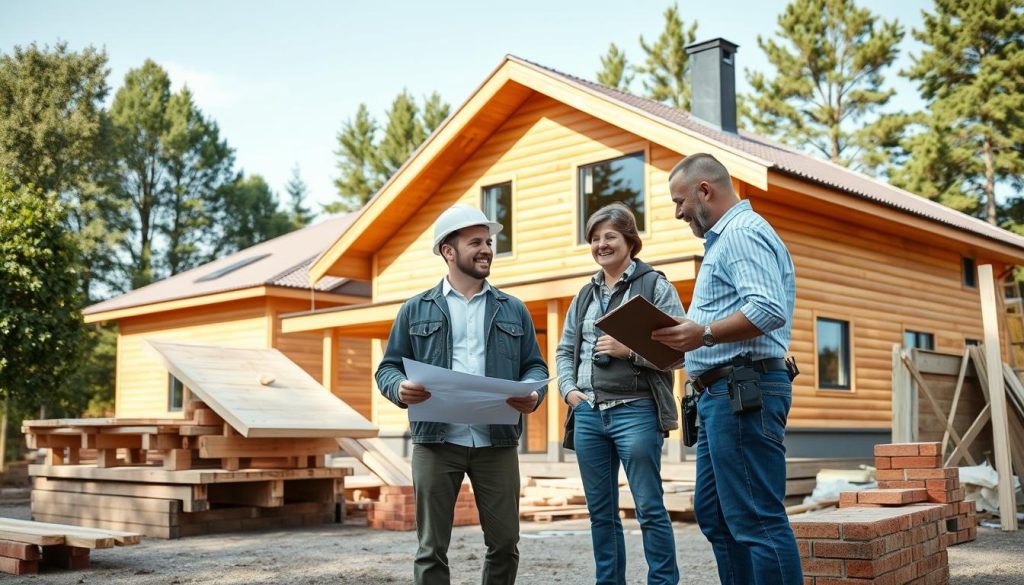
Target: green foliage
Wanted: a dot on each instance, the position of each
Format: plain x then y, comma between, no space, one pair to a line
971,75
366,162
40,322
54,134
828,78
614,71
665,67
254,213
300,215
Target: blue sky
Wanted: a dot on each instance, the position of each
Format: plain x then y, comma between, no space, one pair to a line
281,78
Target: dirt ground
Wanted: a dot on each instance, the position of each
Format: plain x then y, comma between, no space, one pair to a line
553,553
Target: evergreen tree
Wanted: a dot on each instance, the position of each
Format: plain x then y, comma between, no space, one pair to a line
300,215
357,152
254,213
614,71
435,111
402,135
666,65
828,77
971,74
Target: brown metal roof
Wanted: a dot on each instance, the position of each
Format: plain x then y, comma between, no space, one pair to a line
789,161
283,261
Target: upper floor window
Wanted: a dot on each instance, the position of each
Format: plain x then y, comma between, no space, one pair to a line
175,393
497,206
970,272
918,339
833,340
616,180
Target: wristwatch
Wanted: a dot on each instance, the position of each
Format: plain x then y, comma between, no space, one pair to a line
709,338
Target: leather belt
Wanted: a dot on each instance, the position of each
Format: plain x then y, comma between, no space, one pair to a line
705,380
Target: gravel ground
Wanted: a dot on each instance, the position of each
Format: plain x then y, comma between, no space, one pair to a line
554,553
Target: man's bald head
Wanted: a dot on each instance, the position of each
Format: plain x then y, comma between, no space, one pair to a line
701,167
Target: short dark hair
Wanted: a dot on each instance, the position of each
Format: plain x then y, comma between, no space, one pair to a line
622,220
451,239
702,167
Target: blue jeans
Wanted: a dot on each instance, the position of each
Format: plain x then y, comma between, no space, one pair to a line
741,485
627,433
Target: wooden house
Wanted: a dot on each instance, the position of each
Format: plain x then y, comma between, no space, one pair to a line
237,301
539,150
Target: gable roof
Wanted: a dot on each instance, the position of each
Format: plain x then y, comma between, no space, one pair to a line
749,157
283,261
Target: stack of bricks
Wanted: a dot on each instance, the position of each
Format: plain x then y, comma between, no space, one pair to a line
918,466
396,509
873,546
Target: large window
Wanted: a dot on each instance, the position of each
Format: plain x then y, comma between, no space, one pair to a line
833,338
175,393
918,339
620,179
497,206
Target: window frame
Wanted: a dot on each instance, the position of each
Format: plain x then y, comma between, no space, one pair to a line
580,220
171,379
513,228
850,388
973,285
917,335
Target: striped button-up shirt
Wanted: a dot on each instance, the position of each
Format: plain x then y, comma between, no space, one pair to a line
469,354
746,268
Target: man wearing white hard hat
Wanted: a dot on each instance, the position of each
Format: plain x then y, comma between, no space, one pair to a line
467,325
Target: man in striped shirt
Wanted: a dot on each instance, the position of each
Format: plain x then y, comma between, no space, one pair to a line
735,337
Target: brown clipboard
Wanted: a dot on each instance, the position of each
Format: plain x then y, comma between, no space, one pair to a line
632,322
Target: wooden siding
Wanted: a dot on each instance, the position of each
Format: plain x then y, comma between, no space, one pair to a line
141,386
540,147
881,277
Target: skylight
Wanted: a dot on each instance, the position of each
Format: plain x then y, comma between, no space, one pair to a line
231,268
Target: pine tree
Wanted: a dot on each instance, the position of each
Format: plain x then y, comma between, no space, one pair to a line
828,77
357,153
402,135
300,215
435,111
665,68
971,75
615,71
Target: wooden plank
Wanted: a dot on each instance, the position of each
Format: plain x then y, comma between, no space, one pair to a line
46,534
969,435
100,422
103,501
997,398
177,459
964,362
228,381
18,566
262,494
374,457
219,446
184,493
155,531
105,514
19,550
197,430
922,385
902,399
188,476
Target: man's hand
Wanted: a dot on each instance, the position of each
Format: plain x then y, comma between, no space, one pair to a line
609,345
686,336
524,404
410,393
575,397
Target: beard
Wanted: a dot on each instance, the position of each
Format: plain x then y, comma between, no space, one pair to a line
467,265
701,220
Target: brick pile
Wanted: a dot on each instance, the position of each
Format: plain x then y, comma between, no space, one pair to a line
20,558
396,509
918,466
873,545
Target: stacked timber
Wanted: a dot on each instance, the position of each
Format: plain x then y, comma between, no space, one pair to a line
25,545
169,479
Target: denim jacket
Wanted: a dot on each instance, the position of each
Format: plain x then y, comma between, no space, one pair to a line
422,332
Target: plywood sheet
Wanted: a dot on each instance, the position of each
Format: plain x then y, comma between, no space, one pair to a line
287,403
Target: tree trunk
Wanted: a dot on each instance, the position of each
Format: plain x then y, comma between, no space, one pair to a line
3,437
990,182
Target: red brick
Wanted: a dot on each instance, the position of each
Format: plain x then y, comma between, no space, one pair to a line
815,529
396,489
894,497
883,462
929,449
830,549
912,484
823,567
847,499
891,474
921,462
898,450
399,498
940,473
804,548
876,567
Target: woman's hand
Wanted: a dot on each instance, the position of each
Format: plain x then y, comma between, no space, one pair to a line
575,397
608,345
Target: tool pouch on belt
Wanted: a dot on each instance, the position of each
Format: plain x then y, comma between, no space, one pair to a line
744,386
688,406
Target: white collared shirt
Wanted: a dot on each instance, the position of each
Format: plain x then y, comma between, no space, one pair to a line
469,353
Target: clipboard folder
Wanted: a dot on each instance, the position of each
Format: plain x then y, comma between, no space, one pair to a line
632,322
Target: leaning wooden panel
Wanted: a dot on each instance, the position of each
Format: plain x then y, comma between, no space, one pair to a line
260,392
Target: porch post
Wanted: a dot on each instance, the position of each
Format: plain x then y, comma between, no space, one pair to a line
554,329
329,375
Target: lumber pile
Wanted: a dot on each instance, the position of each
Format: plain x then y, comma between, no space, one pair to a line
169,479
25,546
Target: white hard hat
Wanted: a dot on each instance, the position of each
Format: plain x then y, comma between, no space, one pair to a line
457,217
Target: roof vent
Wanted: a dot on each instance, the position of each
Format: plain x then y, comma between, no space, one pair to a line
231,268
